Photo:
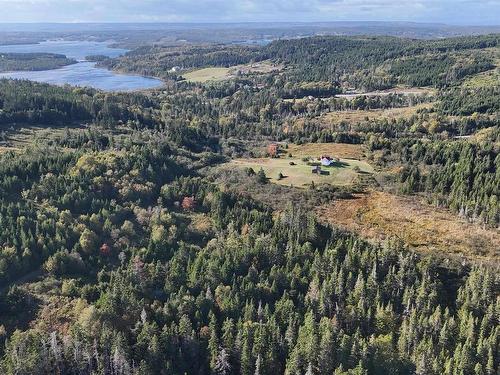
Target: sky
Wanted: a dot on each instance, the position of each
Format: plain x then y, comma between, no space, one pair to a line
455,12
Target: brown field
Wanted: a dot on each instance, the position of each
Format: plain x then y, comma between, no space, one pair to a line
489,78
395,90
356,117
374,114
340,150
220,74
5,149
23,136
260,67
380,215
207,74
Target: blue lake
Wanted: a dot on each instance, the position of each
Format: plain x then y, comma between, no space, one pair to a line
84,73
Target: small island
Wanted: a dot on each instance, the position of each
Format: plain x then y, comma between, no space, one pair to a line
33,61
96,58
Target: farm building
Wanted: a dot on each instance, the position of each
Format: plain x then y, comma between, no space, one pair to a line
327,160
317,170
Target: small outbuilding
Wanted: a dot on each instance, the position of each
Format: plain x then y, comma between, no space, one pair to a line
316,170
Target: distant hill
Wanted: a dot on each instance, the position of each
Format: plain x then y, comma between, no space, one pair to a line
133,34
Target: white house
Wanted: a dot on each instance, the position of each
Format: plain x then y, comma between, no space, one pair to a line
326,161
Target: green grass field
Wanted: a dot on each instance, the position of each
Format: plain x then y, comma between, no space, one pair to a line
300,175
486,79
207,74
489,78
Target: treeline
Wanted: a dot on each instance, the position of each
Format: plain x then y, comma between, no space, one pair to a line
234,109
461,175
357,61
364,63
171,62
438,70
465,102
26,102
33,61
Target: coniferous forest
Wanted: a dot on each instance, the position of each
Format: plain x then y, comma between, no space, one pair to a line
148,232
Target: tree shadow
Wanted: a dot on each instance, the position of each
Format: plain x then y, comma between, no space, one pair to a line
339,164
18,308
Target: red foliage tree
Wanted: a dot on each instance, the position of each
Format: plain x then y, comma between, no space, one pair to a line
272,150
188,203
105,249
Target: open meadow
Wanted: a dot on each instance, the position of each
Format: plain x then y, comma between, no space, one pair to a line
207,74
221,73
378,215
296,170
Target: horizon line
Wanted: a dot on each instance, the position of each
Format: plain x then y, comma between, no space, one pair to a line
246,22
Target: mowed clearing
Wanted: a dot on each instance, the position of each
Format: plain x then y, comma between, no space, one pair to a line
300,175
380,215
297,172
207,74
220,73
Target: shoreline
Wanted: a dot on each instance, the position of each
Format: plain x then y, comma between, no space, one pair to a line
25,74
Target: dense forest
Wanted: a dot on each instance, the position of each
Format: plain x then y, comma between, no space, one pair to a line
256,295
460,175
126,249
26,102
